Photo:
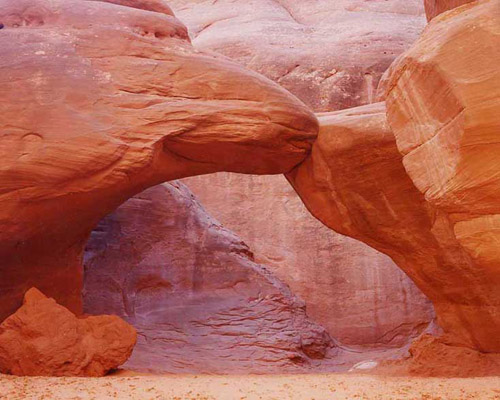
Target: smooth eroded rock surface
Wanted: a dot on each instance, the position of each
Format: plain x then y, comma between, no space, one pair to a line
358,294
330,54
443,105
44,338
191,288
99,100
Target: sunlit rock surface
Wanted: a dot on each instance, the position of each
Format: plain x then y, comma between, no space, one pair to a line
420,182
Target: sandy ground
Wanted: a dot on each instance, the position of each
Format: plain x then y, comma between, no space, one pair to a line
125,385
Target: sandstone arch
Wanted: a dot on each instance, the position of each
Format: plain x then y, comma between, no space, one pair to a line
99,101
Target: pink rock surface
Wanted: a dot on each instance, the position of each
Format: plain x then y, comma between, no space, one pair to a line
44,338
331,55
358,294
191,288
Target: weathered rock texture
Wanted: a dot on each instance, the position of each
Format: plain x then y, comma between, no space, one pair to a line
436,7
191,288
331,55
357,293
423,187
99,101
44,338
443,105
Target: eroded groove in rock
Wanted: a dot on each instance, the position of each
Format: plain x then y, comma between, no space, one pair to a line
435,7
191,288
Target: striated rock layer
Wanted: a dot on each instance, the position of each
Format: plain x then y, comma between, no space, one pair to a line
191,288
331,55
443,105
44,338
422,185
99,100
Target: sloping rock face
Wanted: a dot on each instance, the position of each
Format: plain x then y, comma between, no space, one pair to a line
422,186
191,288
100,100
331,55
44,338
436,7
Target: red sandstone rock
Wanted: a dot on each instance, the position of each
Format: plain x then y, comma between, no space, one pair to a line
426,192
331,55
99,101
431,356
191,288
44,338
436,7
443,105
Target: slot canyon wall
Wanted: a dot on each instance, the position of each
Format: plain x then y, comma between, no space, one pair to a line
330,54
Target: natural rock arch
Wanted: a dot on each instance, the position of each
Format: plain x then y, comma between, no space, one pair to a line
114,99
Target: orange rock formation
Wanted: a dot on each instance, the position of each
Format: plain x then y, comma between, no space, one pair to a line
423,185
44,338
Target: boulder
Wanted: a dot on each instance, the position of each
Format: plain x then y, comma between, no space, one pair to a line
100,100
44,338
192,289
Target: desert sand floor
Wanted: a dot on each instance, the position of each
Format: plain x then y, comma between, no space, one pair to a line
280,387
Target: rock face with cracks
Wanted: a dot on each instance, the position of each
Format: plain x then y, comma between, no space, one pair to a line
44,338
422,184
99,100
192,290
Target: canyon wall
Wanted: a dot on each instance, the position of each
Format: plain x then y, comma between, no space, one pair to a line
330,54
198,300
